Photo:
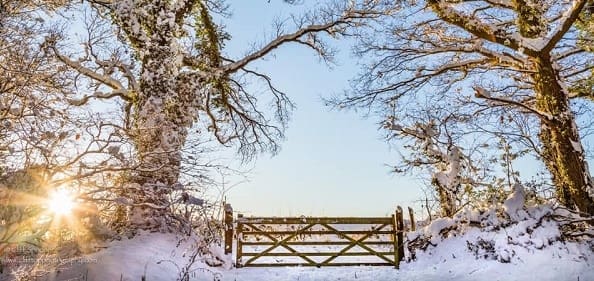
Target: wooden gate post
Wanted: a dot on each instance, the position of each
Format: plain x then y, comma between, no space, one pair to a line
413,225
228,221
400,235
239,249
395,238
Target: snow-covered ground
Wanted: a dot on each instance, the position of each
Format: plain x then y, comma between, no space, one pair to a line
151,255
511,242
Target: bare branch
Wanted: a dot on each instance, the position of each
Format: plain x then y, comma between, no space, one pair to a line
483,93
105,79
478,28
567,21
349,17
292,37
501,3
100,95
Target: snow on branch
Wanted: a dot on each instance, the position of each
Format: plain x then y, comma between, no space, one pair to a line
334,26
483,93
568,53
501,3
292,37
100,95
105,79
566,22
482,30
510,59
119,89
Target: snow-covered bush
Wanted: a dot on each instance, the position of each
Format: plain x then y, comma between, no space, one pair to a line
504,232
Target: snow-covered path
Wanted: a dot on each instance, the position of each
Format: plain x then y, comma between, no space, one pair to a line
544,270
144,255
451,261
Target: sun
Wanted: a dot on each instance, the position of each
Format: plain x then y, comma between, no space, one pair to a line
61,202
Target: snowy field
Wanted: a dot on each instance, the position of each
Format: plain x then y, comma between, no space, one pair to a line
508,242
526,247
150,255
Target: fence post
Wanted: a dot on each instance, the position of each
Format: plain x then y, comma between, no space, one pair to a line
239,250
400,234
395,238
413,225
228,220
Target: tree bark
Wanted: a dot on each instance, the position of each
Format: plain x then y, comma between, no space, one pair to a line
165,106
447,200
562,150
162,118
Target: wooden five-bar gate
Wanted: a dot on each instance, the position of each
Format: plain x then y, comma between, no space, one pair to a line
316,241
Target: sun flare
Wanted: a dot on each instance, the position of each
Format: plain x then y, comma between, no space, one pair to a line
61,202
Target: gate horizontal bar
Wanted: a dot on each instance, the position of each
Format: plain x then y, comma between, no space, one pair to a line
315,243
318,254
306,220
317,265
323,232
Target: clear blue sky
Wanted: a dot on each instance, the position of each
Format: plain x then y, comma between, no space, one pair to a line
332,163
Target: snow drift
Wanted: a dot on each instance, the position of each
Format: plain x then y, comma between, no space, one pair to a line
509,241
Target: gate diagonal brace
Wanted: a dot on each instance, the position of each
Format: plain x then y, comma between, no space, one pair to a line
281,243
355,242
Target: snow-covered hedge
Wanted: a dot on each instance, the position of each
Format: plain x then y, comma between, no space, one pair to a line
506,232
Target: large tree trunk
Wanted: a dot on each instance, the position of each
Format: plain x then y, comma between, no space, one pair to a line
165,107
562,149
161,123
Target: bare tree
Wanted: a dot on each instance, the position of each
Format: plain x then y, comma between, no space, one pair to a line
461,165
30,115
45,142
489,59
170,74
445,158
